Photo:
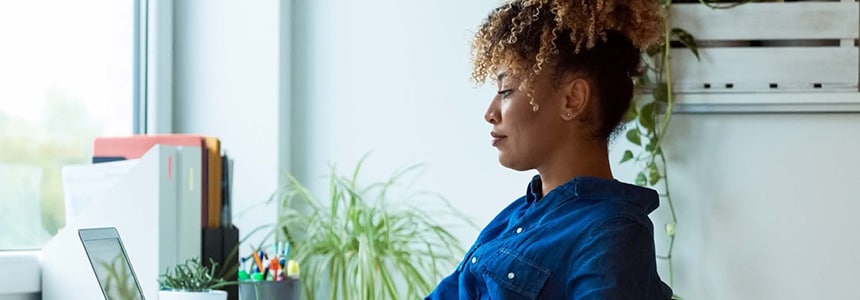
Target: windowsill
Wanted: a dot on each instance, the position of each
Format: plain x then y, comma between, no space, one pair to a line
21,273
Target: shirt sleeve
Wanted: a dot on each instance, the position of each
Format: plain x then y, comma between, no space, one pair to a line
616,262
448,288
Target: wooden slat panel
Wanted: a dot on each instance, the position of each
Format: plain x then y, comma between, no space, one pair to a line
769,21
768,103
755,68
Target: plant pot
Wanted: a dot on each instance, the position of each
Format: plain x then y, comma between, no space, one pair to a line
180,295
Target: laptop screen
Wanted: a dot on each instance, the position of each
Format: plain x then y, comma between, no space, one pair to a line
109,261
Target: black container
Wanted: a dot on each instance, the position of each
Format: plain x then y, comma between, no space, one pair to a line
221,245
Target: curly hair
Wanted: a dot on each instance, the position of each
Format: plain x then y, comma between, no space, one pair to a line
601,39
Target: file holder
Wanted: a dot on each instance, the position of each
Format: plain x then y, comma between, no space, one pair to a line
144,207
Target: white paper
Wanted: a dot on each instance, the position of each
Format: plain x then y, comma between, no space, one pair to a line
84,183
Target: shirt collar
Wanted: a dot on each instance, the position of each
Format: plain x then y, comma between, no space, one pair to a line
535,190
597,189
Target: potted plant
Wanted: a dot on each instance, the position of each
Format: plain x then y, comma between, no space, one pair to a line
192,281
361,244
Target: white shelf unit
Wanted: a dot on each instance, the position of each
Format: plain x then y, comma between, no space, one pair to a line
769,57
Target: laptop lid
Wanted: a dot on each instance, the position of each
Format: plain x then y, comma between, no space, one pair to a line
110,263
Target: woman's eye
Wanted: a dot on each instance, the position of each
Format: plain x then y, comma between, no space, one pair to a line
506,93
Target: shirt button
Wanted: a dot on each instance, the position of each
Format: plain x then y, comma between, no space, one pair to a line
474,259
511,275
519,230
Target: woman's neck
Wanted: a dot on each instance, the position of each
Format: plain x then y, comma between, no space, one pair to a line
584,159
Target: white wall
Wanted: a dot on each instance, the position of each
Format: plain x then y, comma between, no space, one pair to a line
227,83
391,77
767,205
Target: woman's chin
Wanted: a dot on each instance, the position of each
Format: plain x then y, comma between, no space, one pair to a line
512,163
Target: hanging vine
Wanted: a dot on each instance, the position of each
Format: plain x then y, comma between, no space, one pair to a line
649,117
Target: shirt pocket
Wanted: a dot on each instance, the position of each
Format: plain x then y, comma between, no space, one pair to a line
510,275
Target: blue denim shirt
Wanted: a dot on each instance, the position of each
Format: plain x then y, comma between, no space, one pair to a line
587,239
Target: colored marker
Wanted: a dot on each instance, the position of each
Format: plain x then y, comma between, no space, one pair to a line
275,266
257,259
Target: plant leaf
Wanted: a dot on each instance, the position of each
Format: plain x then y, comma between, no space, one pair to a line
640,179
628,155
648,115
367,248
633,136
670,229
653,174
661,93
631,114
688,40
654,180
654,50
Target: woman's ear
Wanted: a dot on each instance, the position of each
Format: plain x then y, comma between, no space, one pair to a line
576,96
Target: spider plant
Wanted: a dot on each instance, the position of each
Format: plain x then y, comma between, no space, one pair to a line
362,243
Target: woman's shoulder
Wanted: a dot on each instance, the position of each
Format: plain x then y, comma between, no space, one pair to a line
602,212
596,201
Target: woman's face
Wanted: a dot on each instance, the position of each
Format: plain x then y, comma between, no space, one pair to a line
525,138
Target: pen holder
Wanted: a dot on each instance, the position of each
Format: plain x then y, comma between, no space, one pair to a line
287,289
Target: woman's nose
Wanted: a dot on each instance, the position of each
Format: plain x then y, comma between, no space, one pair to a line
491,117
492,114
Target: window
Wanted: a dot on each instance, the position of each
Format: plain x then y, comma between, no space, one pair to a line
68,73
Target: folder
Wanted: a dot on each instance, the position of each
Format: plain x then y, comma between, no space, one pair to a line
214,173
226,191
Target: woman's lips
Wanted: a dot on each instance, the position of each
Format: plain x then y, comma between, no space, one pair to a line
497,138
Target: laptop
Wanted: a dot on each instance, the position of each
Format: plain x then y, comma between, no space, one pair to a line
110,263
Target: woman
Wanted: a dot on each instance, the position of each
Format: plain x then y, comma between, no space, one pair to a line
564,71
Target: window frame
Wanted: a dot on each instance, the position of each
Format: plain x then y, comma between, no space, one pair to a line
140,58
152,104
